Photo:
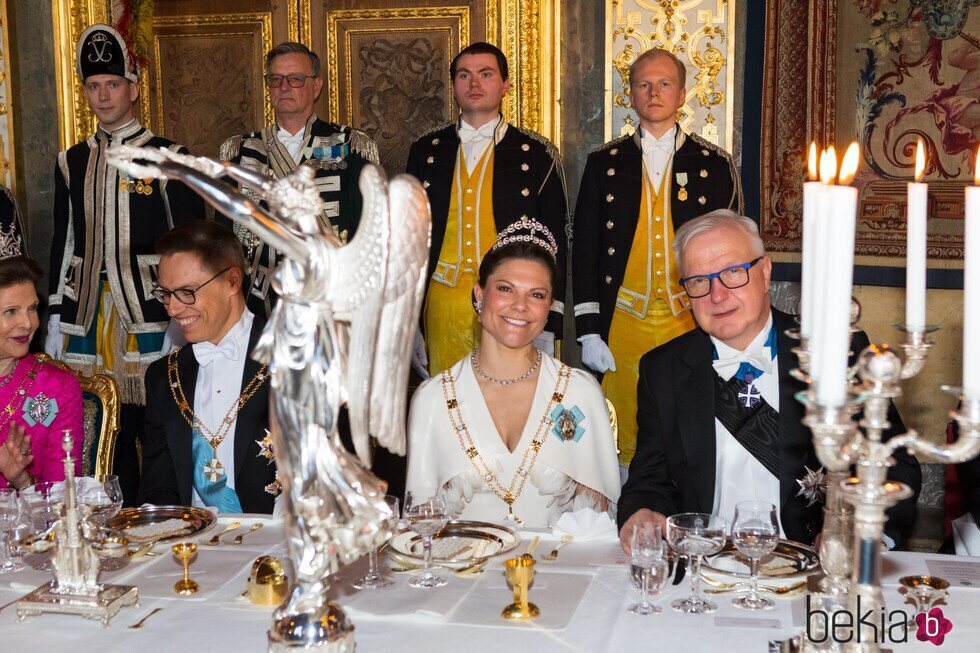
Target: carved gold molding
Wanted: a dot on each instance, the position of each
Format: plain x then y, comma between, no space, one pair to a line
70,18
691,29
7,173
261,18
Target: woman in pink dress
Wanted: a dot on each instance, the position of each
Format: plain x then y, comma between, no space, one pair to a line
38,401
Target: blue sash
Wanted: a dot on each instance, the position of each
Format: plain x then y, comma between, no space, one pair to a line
217,494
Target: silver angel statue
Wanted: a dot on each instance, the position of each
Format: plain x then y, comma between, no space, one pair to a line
339,334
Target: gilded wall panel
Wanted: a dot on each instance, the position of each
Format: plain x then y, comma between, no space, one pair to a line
209,68
7,175
702,34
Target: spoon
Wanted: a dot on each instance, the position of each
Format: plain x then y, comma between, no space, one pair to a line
565,541
139,624
532,546
216,540
241,536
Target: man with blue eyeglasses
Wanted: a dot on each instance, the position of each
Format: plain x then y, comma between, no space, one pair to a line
718,421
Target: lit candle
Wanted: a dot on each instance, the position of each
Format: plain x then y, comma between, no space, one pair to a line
971,288
811,194
823,221
915,245
836,311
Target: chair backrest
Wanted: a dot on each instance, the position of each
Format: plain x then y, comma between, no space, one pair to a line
614,423
100,419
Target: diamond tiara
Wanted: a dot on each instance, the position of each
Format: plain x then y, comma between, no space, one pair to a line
9,243
524,231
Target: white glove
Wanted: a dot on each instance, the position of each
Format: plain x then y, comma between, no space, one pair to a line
54,341
419,360
596,354
545,343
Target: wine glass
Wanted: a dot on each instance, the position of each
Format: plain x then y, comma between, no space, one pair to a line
102,499
755,533
374,579
696,535
426,514
45,502
648,565
10,515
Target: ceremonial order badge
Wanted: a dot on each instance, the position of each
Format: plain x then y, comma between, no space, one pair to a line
567,423
813,486
681,179
265,446
40,410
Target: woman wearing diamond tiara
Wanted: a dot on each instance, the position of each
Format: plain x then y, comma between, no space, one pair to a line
37,400
508,432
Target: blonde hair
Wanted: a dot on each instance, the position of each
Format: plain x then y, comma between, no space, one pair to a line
654,53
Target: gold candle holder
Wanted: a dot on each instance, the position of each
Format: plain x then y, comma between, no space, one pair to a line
520,572
184,552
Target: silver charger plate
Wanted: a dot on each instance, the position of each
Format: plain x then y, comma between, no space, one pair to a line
198,520
788,560
459,544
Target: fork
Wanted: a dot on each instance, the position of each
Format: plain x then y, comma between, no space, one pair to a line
139,624
565,541
216,540
724,588
241,536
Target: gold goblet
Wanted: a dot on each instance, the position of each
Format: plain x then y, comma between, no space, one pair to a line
184,552
520,572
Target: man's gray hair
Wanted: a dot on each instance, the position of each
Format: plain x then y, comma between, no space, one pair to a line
718,218
291,47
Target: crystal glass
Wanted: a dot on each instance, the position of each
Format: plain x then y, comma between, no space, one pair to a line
755,533
696,535
10,516
45,502
374,579
426,514
102,501
649,568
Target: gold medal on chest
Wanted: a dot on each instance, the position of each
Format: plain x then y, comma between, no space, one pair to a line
682,194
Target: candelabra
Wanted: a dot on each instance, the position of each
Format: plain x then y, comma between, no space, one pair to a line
77,548
855,506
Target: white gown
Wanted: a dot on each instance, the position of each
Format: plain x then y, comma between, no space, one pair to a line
567,475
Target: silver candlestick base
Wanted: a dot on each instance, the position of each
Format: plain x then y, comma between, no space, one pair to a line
101,606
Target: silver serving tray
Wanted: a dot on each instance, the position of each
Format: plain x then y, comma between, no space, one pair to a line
198,520
790,559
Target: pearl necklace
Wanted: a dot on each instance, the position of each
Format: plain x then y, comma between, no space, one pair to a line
486,377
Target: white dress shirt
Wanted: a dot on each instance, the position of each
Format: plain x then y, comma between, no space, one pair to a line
738,475
219,383
657,153
292,142
475,140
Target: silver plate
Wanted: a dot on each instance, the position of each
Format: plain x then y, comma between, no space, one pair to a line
788,560
460,543
198,520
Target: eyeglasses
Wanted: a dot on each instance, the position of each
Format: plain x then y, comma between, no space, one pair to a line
732,277
184,295
295,80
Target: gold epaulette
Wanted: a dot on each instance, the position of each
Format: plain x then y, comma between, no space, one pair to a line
548,145
612,143
230,148
364,145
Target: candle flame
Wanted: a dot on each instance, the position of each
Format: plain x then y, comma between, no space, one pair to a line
811,163
920,160
849,166
828,165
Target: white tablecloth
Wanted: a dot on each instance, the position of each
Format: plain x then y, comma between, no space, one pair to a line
583,599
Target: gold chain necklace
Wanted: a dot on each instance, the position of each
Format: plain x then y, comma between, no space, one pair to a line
214,470
512,492
18,396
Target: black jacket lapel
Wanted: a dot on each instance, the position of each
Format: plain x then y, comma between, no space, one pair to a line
179,433
249,417
794,438
696,417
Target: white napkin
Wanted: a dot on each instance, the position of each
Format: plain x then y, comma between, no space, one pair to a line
966,536
586,524
83,485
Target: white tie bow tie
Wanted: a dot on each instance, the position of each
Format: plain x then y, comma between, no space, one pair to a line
205,352
467,134
651,144
762,364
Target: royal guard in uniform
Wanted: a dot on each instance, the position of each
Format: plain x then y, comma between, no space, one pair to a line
11,222
481,175
103,315
635,191
337,153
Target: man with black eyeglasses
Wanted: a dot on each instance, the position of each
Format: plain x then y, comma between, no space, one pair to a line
718,421
297,137
208,402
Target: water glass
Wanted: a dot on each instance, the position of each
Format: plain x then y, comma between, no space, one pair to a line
696,535
755,533
10,516
649,568
374,579
45,503
426,514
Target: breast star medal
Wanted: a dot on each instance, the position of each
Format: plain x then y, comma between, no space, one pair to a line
813,485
